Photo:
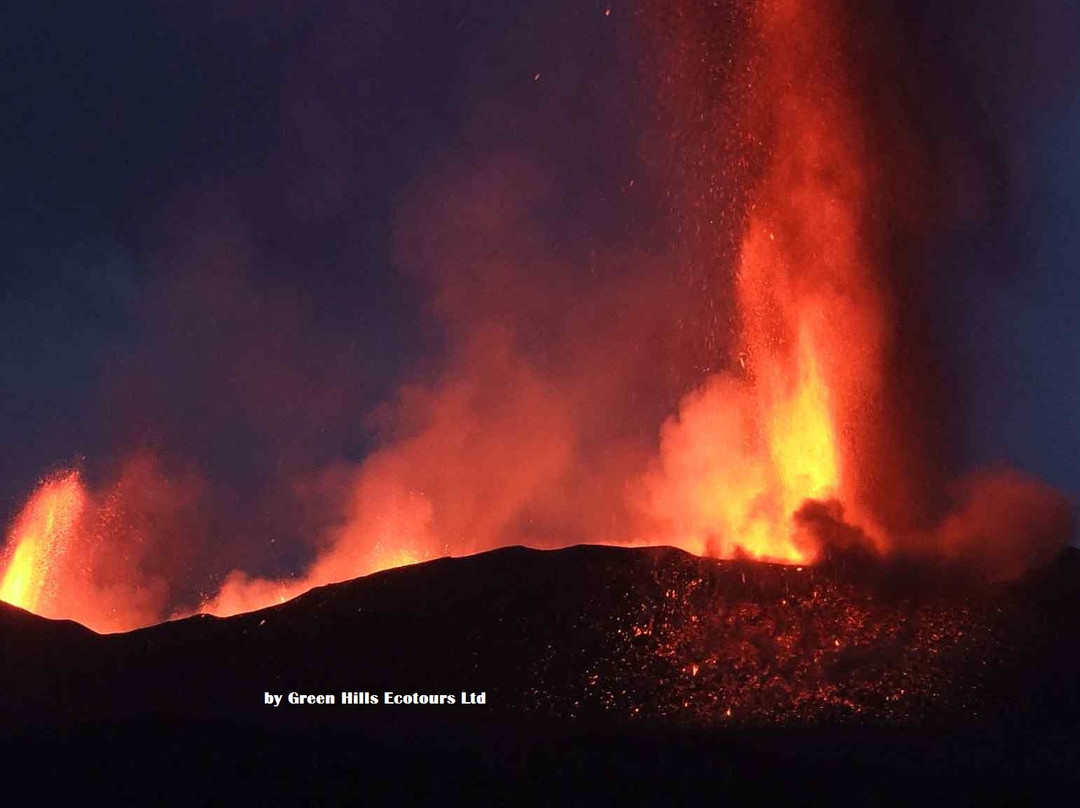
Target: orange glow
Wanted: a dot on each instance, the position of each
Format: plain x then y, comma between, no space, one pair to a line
752,445
38,542
389,529
813,317
241,593
99,556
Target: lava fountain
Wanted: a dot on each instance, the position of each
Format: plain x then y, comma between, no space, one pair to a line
101,555
755,443
38,542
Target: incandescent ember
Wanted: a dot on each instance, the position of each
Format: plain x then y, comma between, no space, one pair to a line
713,642
597,636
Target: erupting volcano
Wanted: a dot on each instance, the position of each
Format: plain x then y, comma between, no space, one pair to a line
618,370
803,437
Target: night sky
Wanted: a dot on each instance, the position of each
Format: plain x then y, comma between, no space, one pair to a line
206,209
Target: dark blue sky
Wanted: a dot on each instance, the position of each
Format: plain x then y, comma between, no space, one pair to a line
197,206
1017,330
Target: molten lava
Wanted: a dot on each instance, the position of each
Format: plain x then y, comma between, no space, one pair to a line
38,543
100,555
754,444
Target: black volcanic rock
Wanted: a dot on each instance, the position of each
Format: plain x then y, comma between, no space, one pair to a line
615,653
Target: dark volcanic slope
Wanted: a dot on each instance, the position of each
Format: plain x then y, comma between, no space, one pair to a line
585,632
593,639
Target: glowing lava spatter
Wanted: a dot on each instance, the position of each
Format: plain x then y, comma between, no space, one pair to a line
93,554
813,316
753,445
38,541
806,294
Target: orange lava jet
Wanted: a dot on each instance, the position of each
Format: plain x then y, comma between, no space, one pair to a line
107,556
38,541
753,445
